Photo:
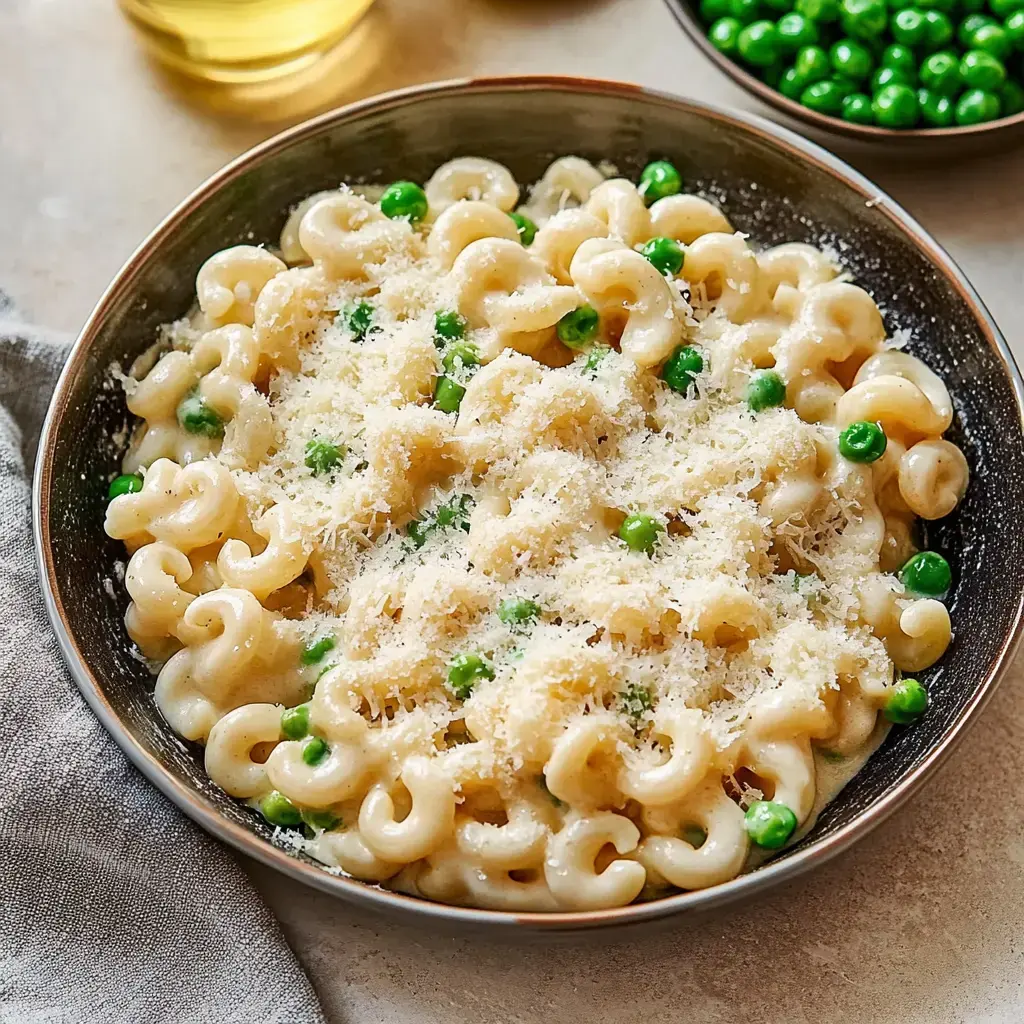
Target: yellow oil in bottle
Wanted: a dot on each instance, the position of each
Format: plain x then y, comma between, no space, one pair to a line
243,41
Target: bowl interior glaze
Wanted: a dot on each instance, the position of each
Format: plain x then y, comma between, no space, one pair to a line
772,185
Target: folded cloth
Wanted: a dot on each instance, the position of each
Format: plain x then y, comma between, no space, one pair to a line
114,907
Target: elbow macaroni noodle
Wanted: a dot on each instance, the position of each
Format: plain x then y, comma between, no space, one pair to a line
337,544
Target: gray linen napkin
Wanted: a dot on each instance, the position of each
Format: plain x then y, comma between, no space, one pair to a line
114,907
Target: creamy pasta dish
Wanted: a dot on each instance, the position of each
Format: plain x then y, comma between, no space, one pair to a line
533,549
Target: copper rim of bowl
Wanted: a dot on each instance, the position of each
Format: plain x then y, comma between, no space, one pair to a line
691,24
375,897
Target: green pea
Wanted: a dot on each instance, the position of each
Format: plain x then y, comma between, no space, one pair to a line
1004,8
1014,29
773,75
295,722
460,356
681,368
358,318
940,73
323,456
865,19
857,109
769,824
658,180
825,97
525,227
1011,99
745,11
196,417
908,26
938,30
450,325
765,390
316,650
579,326
812,65
791,84
758,44
852,59
279,810
463,672
640,531
900,57
724,35
126,483
862,442
907,701
926,573
977,106
404,199
821,11
666,255
896,106
890,76
518,611
980,70
594,359
314,751
448,394
992,39
794,31
712,10
936,110
320,821
970,25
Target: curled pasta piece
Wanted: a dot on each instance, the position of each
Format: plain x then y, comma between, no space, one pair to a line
690,753
899,405
427,825
617,204
230,281
157,395
575,773
185,507
725,267
854,719
471,177
448,877
557,241
153,580
722,854
466,222
500,285
345,234
789,764
288,313
893,363
570,870
720,611
229,749
795,264
189,711
280,562
933,477
516,845
289,244
568,181
342,773
915,633
686,218
348,851
618,280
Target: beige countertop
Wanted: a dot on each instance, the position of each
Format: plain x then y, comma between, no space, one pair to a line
924,920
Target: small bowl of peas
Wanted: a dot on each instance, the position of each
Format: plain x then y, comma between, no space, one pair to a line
872,69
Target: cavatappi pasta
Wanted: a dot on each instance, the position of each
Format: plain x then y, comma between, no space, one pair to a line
533,551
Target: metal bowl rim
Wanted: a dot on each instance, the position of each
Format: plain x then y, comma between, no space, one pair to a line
692,26
189,801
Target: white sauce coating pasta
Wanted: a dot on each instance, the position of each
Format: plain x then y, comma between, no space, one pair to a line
497,702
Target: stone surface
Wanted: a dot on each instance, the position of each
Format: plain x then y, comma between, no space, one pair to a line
923,921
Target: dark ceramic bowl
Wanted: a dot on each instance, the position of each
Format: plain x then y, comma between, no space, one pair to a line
954,142
774,185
